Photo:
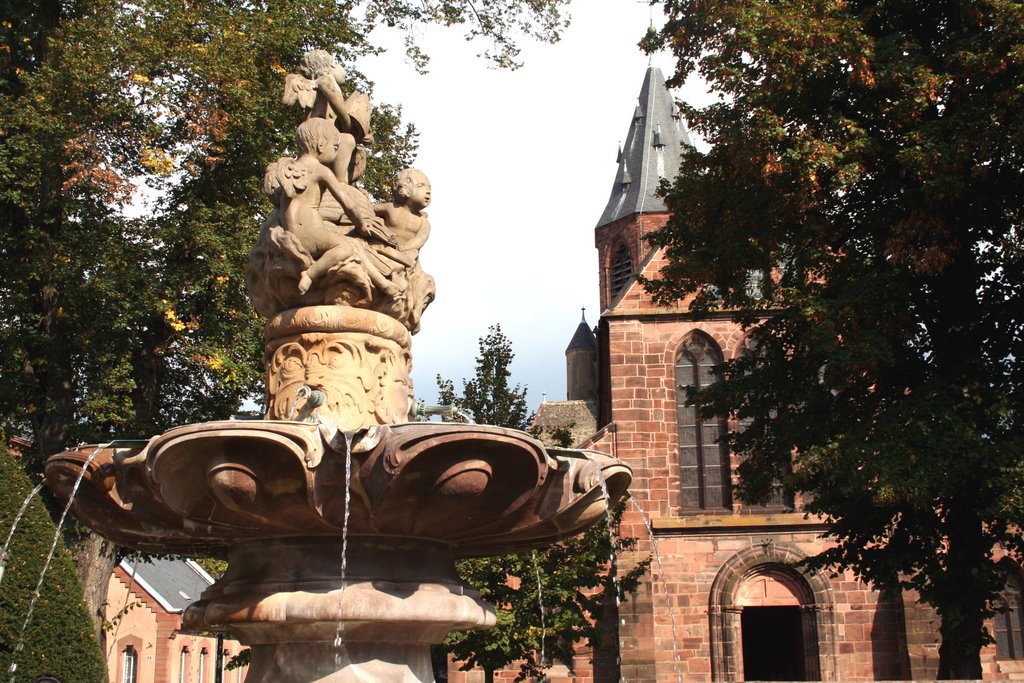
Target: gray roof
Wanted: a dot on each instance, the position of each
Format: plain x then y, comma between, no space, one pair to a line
581,415
653,144
584,337
174,583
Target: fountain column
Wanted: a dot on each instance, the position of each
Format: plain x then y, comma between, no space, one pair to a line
359,360
304,622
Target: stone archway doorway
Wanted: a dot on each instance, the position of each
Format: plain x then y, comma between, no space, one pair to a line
773,644
772,628
770,621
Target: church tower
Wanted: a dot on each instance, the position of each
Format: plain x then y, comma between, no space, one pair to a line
722,601
650,155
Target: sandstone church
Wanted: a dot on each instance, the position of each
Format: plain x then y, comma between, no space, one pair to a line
724,602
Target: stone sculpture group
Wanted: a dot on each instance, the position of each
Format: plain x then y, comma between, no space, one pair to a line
326,244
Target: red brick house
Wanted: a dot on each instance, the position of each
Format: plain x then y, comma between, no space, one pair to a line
145,643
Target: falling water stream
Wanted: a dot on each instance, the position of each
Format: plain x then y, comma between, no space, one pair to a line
20,645
17,520
664,583
613,560
540,606
314,399
339,637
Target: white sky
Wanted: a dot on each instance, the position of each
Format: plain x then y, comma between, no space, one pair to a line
521,164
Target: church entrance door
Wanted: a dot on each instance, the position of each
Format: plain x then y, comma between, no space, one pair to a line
773,641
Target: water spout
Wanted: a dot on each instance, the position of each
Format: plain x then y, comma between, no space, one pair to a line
540,606
339,638
613,560
17,520
49,556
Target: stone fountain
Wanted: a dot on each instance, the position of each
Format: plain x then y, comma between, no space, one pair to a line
340,517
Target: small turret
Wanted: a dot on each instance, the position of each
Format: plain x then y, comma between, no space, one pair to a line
581,363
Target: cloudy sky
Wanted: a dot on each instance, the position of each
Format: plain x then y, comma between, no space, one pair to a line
521,164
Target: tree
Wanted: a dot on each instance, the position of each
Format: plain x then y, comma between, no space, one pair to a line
59,640
489,398
125,321
859,208
570,579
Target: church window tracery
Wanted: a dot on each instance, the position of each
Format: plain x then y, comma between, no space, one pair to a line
1009,631
703,456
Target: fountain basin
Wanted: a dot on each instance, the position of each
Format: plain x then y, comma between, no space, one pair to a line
271,497
200,489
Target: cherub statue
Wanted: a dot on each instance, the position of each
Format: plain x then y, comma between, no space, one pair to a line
404,215
317,89
405,218
299,186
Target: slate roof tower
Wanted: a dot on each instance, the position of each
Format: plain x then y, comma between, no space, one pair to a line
650,154
581,364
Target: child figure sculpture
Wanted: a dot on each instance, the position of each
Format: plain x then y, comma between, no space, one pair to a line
405,218
302,183
404,215
325,243
317,88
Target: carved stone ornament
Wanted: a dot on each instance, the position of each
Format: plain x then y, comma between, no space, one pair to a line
358,360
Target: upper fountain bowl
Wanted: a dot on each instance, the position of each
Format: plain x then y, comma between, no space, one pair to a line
202,488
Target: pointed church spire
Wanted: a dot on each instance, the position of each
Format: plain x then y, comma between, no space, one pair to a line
650,153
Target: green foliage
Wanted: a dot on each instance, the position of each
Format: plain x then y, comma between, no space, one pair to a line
498,23
488,398
121,324
570,578
560,436
213,566
60,641
126,324
574,585
860,210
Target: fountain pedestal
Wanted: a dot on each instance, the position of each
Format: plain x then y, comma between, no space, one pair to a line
304,622
359,360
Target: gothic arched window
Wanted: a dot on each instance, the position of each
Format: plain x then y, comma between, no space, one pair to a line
1009,633
621,270
183,666
703,457
779,499
202,665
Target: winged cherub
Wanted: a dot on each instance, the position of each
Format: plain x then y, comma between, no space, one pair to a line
317,88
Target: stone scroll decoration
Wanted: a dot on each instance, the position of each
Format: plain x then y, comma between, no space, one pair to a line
358,359
325,245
